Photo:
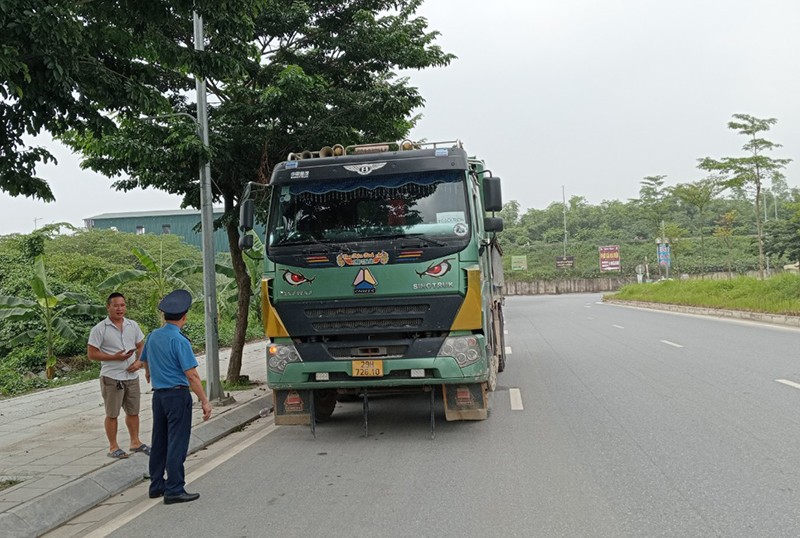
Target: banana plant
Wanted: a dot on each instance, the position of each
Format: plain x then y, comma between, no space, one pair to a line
49,310
163,279
228,292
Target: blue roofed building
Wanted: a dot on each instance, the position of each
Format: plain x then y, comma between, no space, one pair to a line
182,222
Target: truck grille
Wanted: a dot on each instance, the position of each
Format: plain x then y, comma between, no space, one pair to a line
367,310
399,324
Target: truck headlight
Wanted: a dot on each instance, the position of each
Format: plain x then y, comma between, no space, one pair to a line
279,355
464,349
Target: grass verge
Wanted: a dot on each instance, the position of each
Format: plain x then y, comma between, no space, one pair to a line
777,295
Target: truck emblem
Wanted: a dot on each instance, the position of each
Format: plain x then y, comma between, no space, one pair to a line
364,169
364,282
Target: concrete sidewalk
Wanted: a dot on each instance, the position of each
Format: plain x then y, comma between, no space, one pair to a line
54,443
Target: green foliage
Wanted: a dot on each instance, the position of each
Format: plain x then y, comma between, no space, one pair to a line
160,278
739,254
752,171
70,65
48,309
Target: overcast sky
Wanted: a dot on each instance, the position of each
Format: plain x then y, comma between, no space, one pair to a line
590,95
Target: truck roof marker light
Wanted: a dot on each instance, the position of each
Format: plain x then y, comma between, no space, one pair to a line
369,148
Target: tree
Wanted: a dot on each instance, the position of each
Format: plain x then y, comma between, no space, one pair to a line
652,199
724,231
318,73
698,195
74,65
782,237
753,170
48,309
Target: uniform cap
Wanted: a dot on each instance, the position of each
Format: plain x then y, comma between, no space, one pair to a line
176,302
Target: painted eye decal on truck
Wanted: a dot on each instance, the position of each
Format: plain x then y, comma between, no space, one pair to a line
437,270
295,279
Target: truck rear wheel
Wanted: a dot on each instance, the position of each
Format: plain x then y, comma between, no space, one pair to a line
324,404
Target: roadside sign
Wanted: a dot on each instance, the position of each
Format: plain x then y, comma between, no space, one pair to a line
519,263
565,262
664,254
609,258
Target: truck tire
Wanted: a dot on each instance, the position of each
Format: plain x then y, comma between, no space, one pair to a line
324,404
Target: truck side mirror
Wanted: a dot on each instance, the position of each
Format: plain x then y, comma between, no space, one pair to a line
493,224
246,216
492,195
246,242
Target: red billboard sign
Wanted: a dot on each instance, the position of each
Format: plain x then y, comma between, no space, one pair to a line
609,258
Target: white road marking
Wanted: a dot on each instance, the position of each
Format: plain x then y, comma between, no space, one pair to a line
673,344
505,331
516,399
790,383
508,350
618,326
202,470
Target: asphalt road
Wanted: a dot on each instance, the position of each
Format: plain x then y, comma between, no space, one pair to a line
608,421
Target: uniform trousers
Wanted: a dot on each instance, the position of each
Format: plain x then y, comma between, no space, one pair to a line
172,426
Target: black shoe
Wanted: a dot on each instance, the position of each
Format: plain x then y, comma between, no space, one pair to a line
185,498
156,495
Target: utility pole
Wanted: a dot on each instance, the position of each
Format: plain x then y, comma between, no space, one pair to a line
564,200
213,384
764,194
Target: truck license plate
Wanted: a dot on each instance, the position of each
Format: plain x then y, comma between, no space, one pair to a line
368,368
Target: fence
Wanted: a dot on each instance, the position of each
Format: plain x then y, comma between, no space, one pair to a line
570,285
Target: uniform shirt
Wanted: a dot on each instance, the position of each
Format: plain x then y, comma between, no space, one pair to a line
168,355
106,337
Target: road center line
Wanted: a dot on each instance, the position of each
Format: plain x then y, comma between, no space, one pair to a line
516,399
790,383
508,350
618,326
673,344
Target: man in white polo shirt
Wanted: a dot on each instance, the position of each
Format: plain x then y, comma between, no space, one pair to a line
117,343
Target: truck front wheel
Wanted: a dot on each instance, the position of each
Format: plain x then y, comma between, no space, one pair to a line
324,404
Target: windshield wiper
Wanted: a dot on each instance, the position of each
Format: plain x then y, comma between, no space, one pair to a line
417,238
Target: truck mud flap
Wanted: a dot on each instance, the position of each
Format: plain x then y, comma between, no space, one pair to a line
293,407
466,402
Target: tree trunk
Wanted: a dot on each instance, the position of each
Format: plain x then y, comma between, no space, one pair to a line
242,304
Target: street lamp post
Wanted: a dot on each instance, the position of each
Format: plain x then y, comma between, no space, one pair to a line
213,384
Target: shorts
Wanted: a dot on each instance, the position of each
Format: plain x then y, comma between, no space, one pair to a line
120,394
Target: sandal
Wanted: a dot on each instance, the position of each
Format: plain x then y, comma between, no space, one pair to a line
142,448
118,454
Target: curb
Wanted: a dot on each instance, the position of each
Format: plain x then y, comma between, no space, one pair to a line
774,319
54,508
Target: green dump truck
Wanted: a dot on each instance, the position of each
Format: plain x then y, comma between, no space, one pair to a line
382,273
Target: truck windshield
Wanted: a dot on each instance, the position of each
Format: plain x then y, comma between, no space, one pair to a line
428,205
